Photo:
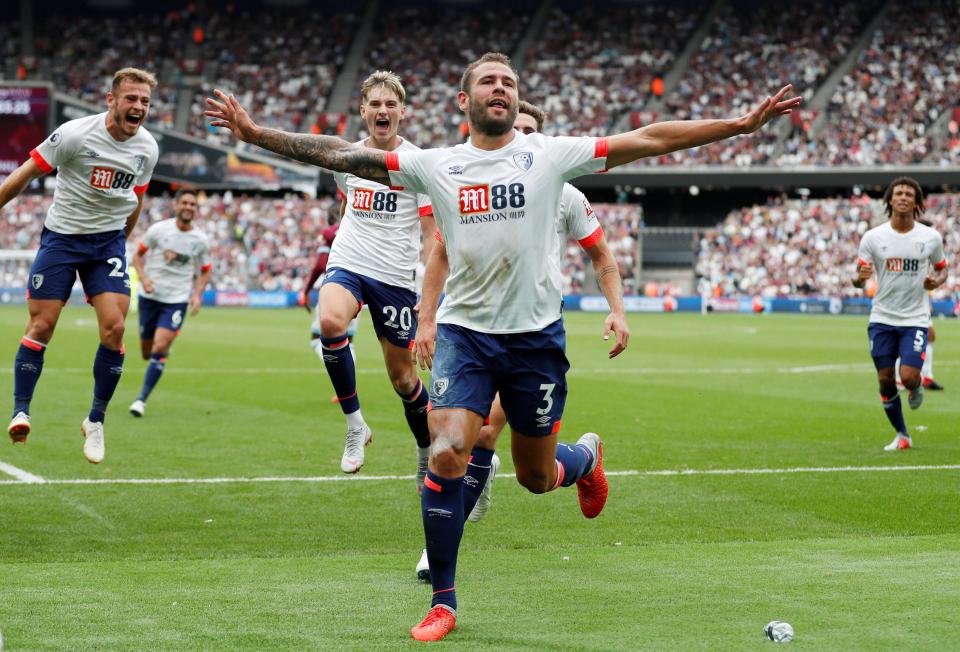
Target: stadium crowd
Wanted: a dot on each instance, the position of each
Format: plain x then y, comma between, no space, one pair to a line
596,63
429,46
792,247
753,46
589,67
270,243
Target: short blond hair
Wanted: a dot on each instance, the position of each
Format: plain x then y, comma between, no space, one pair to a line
135,75
489,57
534,111
386,78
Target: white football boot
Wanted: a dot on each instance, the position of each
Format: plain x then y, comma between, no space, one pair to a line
352,458
901,441
93,448
423,567
137,408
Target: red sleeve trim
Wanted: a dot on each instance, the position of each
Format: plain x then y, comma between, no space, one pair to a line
600,148
592,239
940,265
396,187
340,195
142,248
393,162
207,267
426,211
141,189
40,161
438,237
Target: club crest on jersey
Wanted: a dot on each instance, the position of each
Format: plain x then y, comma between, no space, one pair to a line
138,163
36,281
474,199
523,160
440,386
920,247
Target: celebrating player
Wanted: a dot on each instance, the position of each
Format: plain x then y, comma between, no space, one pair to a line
373,261
578,221
173,263
900,252
497,198
105,162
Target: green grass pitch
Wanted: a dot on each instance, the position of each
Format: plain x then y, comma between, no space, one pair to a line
854,559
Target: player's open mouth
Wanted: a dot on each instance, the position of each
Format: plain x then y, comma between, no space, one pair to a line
498,104
382,123
134,120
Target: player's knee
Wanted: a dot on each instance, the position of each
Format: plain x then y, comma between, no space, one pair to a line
40,329
404,381
488,437
111,333
448,456
910,377
534,481
332,325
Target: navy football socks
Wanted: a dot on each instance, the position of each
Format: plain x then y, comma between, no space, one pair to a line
158,362
107,368
26,372
442,509
339,363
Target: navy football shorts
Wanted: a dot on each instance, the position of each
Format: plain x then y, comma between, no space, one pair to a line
157,314
391,307
100,259
887,343
528,369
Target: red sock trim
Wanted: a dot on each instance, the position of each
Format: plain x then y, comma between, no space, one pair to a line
33,345
431,485
559,476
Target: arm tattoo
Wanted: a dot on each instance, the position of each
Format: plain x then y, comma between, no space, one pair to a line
327,152
606,271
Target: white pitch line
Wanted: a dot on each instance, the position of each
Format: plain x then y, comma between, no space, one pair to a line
22,477
387,478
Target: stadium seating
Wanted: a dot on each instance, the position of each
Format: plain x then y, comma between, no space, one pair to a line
791,247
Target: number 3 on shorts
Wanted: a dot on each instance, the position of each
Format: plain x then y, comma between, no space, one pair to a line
547,389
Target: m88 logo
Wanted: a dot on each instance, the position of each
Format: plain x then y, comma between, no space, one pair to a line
480,199
903,265
107,178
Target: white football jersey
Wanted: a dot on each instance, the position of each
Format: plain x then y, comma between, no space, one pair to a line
173,259
497,213
99,179
379,234
901,262
577,220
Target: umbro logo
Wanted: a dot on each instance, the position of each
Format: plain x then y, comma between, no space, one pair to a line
92,154
455,169
436,511
544,420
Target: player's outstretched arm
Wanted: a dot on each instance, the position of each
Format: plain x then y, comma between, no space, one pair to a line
434,277
327,152
608,276
665,137
19,179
